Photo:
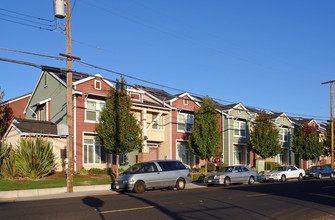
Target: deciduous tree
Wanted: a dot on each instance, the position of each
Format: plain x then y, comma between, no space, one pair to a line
205,138
264,137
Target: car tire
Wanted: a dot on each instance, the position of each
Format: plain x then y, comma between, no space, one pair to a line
227,181
283,178
300,177
139,187
180,184
319,176
251,180
331,175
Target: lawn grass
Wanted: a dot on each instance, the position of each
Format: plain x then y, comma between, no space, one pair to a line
7,185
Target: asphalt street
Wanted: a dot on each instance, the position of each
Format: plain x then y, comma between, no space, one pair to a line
309,199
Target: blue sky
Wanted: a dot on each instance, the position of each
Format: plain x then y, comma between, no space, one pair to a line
267,54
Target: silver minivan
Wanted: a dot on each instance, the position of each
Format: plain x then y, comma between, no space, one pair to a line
154,174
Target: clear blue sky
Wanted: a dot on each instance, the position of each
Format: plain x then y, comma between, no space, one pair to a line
268,54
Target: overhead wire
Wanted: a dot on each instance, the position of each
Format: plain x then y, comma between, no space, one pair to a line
136,78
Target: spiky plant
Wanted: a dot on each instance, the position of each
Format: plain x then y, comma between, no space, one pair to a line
34,157
7,161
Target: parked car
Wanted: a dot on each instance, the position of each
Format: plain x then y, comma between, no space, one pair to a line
154,174
282,173
232,174
319,172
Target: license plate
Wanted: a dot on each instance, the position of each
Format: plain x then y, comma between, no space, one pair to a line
209,181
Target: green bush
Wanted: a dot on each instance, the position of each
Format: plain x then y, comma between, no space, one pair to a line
221,166
271,165
34,158
201,169
99,171
211,167
8,169
193,170
83,171
198,178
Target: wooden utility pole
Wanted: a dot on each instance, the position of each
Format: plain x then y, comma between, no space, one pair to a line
70,154
331,121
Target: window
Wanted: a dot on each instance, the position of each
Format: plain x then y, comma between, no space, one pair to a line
122,159
159,123
237,155
185,102
93,152
97,84
185,122
93,109
171,165
135,97
283,134
183,153
40,112
240,128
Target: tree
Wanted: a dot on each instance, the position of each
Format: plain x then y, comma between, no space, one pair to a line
118,130
306,143
2,112
327,142
264,137
205,138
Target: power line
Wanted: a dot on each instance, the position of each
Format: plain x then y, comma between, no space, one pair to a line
18,13
23,19
146,81
36,54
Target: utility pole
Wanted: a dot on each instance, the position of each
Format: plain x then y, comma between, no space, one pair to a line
59,13
331,121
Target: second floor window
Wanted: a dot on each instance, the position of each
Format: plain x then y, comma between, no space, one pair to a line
185,122
159,123
240,128
283,134
93,109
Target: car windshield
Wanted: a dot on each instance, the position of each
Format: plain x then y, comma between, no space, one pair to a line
133,169
314,168
227,169
280,169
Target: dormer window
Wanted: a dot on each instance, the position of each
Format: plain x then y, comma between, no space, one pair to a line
97,84
135,97
185,102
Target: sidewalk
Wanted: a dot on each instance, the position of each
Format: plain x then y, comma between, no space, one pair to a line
61,192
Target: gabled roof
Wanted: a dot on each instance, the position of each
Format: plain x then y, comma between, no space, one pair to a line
16,99
28,126
275,115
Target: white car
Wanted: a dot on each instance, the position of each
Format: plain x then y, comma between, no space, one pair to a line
283,173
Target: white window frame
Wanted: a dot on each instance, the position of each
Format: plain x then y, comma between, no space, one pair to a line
98,109
239,128
187,149
96,82
159,123
94,145
282,134
185,116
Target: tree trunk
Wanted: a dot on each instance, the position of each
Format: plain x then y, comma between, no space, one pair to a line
117,166
205,166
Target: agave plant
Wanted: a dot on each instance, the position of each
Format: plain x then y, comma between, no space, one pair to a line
34,157
7,161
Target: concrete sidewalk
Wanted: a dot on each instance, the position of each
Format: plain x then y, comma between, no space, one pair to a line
61,192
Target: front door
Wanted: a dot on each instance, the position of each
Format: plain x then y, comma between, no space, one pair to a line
153,153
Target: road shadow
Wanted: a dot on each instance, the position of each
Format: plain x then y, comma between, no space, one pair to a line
94,203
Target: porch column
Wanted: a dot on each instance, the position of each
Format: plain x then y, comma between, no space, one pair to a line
144,129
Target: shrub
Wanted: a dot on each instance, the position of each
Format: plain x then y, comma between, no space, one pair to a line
271,165
8,169
201,169
34,157
99,171
211,167
221,166
83,171
193,170
198,178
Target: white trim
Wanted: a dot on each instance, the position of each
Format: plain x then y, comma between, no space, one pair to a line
97,109
135,90
95,84
16,99
222,134
189,151
239,126
25,110
185,114
157,99
75,130
186,94
239,105
155,107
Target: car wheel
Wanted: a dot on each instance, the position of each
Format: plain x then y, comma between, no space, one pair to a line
331,175
319,176
227,181
180,185
283,178
251,180
139,187
300,177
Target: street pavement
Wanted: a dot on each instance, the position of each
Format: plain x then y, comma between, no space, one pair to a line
61,192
